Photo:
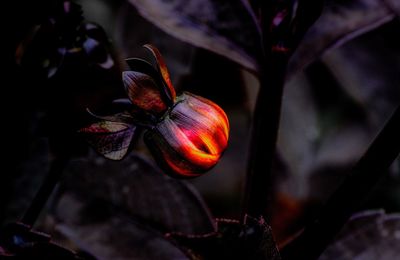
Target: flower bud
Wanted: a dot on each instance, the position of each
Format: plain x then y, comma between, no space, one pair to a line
191,137
186,134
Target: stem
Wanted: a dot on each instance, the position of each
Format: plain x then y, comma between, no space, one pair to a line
279,42
56,168
263,138
350,195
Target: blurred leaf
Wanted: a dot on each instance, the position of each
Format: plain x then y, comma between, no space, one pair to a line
93,228
368,235
110,138
18,241
72,66
340,22
143,191
370,77
96,45
394,5
330,134
179,58
253,240
224,27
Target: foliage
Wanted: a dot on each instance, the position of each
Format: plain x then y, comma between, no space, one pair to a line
330,65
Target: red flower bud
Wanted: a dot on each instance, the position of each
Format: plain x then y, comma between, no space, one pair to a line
191,137
187,134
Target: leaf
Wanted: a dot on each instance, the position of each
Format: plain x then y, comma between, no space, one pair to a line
394,5
143,191
18,241
340,22
253,240
112,139
367,235
93,228
224,27
370,77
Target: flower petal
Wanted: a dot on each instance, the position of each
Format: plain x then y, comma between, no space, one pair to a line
209,109
181,142
145,67
111,139
204,122
143,92
162,67
169,159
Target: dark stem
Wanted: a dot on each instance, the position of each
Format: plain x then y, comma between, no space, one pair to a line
350,195
263,138
56,168
279,42
264,130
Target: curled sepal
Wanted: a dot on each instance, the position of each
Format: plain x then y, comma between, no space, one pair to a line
144,92
112,139
191,138
162,68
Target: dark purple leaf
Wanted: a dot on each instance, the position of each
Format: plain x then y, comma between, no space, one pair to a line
93,228
253,240
143,191
340,22
224,27
368,235
18,241
394,5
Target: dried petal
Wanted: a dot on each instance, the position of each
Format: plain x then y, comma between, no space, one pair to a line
145,67
111,139
191,138
162,67
143,92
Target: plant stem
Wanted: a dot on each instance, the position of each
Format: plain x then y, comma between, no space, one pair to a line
346,200
279,42
263,138
56,168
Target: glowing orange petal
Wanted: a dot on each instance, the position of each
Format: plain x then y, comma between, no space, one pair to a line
208,131
209,109
169,159
191,137
177,139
